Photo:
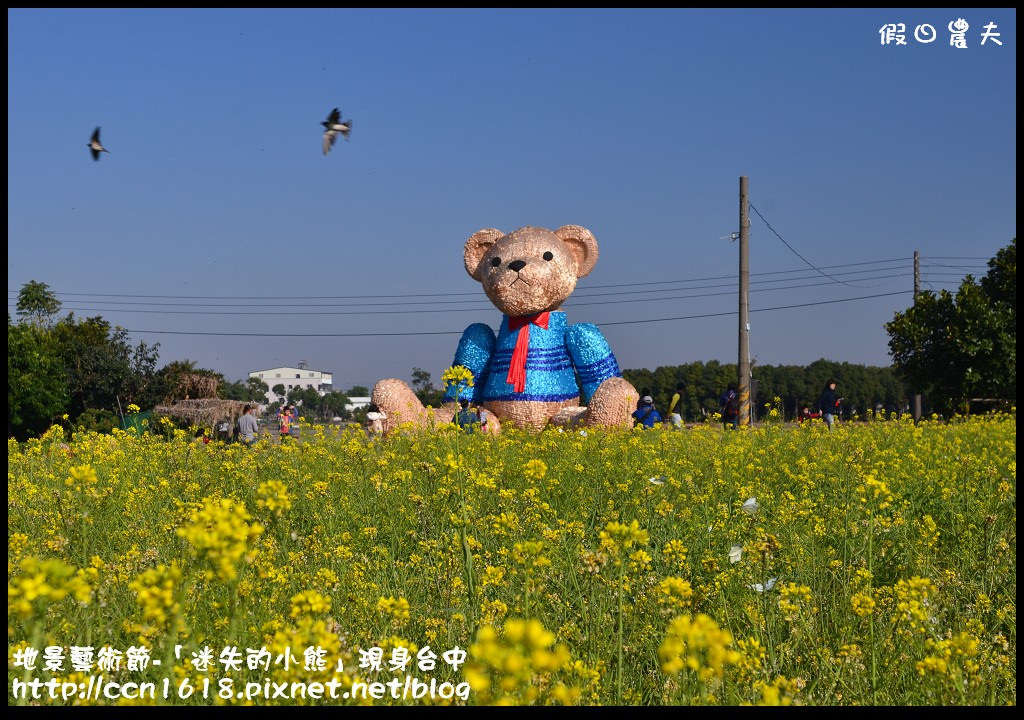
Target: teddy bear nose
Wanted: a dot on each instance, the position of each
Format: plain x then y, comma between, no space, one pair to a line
517,265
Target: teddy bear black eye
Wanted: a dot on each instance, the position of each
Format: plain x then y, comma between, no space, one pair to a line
495,261
548,256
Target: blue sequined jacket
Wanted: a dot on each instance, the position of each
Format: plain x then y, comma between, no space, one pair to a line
554,357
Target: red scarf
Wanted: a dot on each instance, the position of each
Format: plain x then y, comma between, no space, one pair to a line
517,368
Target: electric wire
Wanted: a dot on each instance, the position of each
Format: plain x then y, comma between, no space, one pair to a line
809,263
459,332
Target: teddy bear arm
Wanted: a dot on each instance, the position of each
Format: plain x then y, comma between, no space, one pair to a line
474,352
591,356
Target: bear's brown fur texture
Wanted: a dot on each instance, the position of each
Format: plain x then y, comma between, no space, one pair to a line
528,271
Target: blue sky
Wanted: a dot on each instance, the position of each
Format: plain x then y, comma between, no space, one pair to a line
217,214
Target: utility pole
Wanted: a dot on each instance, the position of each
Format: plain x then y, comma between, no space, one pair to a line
917,289
743,388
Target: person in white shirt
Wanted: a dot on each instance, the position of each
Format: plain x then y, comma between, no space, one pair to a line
375,420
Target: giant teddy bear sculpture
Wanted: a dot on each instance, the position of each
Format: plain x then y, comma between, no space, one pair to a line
527,375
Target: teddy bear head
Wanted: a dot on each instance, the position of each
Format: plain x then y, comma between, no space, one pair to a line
530,270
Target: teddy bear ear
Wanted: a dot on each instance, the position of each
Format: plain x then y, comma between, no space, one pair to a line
477,245
583,245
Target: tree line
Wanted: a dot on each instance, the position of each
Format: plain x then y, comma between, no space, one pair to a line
85,372
316,406
958,350
704,382
863,388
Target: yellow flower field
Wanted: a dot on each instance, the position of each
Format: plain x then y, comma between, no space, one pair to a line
872,565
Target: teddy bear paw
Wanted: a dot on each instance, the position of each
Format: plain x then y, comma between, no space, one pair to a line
399,403
612,404
568,417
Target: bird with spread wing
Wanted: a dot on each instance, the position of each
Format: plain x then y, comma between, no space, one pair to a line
334,126
94,145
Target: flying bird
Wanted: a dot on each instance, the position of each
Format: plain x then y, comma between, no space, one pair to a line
94,145
334,125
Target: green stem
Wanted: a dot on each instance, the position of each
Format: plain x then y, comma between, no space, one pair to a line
233,612
618,680
467,553
526,594
592,614
871,621
764,612
34,637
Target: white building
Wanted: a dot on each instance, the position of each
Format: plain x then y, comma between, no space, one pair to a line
357,403
294,377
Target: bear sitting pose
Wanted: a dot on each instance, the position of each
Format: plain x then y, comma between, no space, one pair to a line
527,374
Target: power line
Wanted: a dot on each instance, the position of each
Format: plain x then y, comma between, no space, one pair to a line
364,311
946,274
963,268
478,299
779,307
795,252
457,294
459,332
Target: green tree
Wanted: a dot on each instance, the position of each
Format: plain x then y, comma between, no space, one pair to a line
1000,286
234,391
101,367
336,403
37,303
956,347
308,399
424,388
36,391
797,386
257,390
250,390
359,391
97,366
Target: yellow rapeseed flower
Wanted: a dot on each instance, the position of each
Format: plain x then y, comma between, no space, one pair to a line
42,582
862,603
619,536
697,644
518,666
310,602
674,593
273,495
396,610
535,469
156,594
219,533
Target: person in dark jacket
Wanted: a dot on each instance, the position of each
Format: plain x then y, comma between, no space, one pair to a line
646,414
465,418
828,403
730,404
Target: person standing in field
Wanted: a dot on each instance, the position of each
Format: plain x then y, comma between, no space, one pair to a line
248,427
646,415
482,416
284,420
644,392
675,407
730,403
828,403
465,418
375,418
